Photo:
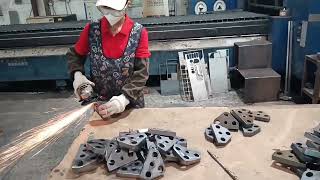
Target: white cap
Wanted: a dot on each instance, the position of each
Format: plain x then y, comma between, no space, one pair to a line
114,4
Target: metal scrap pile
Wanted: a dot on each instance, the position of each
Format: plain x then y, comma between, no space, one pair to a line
304,157
243,119
135,154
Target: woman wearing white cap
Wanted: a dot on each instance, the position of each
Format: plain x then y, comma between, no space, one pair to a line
119,55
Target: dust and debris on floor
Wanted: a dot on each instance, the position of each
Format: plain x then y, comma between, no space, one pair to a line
21,111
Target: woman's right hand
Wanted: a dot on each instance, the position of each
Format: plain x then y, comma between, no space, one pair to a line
80,79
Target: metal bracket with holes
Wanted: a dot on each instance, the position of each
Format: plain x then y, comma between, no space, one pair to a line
316,130
252,131
311,175
181,141
110,148
132,141
85,160
244,117
98,146
312,137
209,134
187,157
222,135
228,121
297,149
120,157
153,166
312,144
287,158
261,116
132,170
164,143
170,157
311,152
162,132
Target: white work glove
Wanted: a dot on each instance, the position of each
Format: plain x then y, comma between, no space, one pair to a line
80,79
117,104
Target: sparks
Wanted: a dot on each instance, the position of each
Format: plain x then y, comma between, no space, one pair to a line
42,135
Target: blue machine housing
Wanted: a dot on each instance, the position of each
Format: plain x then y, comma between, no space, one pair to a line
301,11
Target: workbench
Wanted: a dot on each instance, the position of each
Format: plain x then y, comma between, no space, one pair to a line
249,158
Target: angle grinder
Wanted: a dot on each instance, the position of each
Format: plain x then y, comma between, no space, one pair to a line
87,94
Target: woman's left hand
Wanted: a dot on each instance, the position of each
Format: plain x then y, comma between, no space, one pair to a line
117,104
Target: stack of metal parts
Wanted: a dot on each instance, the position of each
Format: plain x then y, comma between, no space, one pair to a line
304,157
135,154
219,131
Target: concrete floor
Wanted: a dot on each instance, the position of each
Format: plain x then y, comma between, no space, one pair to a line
20,112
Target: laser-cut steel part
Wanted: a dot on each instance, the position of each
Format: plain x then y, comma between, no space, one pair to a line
311,175
312,144
312,137
133,141
252,131
98,146
228,121
244,116
287,157
222,135
85,160
120,157
208,134
165,143
261,116
132,170
297,149
187,157
153,166
161,132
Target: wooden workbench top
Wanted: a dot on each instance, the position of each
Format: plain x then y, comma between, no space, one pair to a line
249,158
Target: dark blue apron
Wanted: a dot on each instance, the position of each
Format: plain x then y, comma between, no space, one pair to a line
110,75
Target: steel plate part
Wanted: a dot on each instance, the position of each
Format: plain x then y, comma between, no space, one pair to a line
297,149
170,157
187,157
222,135
316,131
252,131
261,116
162,132
181,141
244,116
287,157
98,146
209,134
84,161
228,121
132,170
312,137
164,143
154,166
311,175
312,144
132,141
312,152
120,157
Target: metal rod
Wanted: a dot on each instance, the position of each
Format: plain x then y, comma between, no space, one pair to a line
290,55
286,92
233,177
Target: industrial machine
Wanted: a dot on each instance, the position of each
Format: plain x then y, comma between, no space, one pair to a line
37,52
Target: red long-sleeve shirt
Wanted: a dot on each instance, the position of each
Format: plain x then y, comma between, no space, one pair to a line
114,46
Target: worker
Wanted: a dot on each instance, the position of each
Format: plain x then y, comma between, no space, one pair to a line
117,48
